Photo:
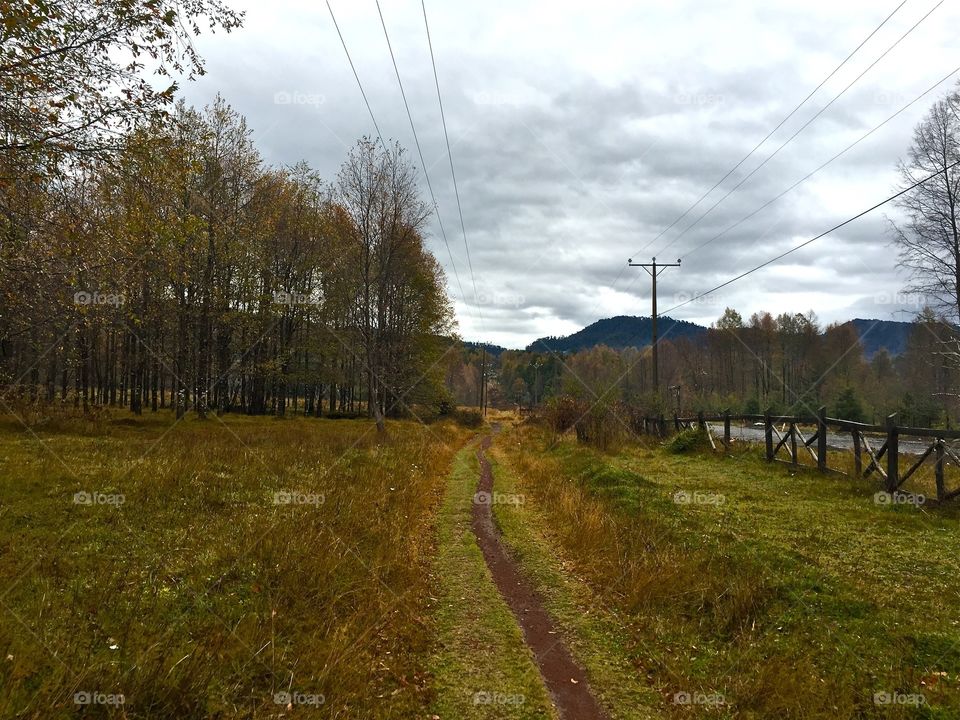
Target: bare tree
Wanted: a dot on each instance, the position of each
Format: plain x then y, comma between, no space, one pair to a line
377,190
929,241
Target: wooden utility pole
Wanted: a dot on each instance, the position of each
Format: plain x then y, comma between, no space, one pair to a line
676,391
653,269
486,393
483,377
536,381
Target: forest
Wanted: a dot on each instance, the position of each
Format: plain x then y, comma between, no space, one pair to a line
150,258
181,271
787,363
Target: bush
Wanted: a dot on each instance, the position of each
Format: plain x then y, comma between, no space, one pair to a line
560,413
685,441
603,426
752,407
468,418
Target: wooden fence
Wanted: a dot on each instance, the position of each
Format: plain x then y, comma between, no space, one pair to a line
883,459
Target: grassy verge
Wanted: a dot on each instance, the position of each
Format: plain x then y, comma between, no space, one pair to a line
481,667
747,590
252,567
594,632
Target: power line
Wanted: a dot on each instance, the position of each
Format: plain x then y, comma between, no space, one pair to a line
453,173
822,166
803,127
355,75
764,140
813,239
779,125
807,177
416,140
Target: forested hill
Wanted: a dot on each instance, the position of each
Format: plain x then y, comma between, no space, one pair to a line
629,331
877,334
618,332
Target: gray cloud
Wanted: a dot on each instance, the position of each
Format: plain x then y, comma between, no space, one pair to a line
579,133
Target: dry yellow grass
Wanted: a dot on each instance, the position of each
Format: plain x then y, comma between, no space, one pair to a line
244,568
787,594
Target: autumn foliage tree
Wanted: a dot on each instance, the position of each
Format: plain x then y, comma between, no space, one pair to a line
183,272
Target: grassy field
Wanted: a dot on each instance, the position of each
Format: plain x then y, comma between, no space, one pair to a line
729,587
266,568
243,568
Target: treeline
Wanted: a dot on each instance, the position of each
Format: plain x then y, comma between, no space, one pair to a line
178,270
788,363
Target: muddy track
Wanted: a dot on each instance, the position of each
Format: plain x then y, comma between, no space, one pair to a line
564,679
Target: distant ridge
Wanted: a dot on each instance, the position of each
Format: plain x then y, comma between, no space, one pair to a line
618,333
876,335
625,331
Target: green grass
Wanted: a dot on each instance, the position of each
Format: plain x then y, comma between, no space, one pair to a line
790,594
480,652
786,593
198,596
594,632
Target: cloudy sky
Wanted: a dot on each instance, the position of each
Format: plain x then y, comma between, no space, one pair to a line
580,131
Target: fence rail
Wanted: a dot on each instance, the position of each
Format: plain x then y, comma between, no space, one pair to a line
883,459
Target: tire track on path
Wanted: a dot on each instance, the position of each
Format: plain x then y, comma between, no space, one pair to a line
563,677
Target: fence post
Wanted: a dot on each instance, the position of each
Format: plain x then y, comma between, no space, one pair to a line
822,439
676,422
768,433
857,461
662,425
726,428
793,443
939,471
701,423
893,454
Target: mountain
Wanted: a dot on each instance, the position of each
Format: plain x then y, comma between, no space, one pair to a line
629,331
877,334
618,332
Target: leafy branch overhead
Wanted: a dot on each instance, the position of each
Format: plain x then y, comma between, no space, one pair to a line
73,73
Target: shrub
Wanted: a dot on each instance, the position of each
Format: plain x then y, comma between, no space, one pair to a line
691,440
849,407
468,418
560,413
603,426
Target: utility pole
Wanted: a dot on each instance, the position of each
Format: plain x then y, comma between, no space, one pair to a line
486,393
676,390
653,269
483,377
536,382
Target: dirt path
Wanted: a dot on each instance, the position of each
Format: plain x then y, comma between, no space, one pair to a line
564,679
